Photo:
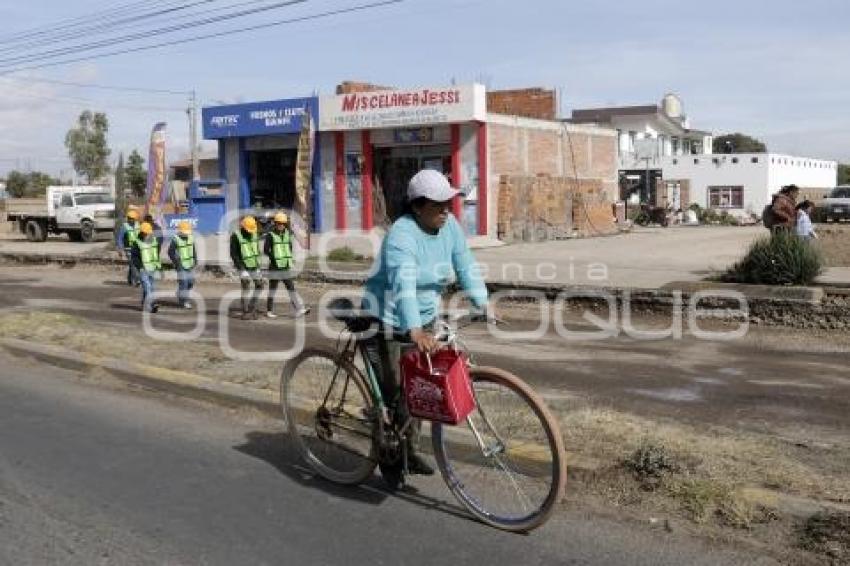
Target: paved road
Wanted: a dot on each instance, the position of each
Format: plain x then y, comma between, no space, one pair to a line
766,381
97,475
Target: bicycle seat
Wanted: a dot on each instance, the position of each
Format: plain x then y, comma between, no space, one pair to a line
355,319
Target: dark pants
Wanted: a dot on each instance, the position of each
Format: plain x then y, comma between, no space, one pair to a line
133,277
277,277
249,299
384,354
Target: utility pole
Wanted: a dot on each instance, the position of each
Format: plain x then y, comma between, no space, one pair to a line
193,135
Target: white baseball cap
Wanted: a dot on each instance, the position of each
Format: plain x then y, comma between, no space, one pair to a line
432,185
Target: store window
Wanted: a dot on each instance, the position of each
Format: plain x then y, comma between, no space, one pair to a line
726,197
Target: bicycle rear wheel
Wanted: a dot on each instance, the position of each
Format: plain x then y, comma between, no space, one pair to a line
506,463
330,415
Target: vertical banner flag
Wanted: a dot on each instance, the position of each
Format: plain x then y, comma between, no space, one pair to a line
303,179
157,173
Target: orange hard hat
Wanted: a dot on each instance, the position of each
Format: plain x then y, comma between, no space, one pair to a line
133,214
249,224
185,227
146,228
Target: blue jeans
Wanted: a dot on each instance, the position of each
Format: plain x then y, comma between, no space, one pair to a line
185,283
148,288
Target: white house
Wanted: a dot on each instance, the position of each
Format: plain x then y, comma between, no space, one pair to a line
743,181
662,160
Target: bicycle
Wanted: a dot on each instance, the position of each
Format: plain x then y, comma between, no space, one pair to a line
506,466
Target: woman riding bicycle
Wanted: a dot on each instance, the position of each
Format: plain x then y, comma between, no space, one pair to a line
420,252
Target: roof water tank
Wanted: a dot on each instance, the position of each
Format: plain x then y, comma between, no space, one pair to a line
672,106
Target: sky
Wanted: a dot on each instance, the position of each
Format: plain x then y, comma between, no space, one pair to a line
775,69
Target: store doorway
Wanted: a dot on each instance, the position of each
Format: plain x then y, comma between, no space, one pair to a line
272,178
395,166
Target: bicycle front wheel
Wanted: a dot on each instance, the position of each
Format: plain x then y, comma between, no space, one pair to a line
506,463
330,415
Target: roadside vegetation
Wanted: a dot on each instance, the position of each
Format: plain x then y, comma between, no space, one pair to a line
778,259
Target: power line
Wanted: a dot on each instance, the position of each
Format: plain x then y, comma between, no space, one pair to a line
320,15
70,22
94,26
47,55
100,86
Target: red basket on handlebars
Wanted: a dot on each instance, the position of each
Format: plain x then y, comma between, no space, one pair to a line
437,387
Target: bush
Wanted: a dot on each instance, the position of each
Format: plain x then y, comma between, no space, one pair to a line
650,463
779,259
344,254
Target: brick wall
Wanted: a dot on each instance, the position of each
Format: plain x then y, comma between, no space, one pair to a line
529,102
533,209
348,87
538,167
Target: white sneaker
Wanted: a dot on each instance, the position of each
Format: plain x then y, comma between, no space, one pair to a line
303,311
270,314
187,306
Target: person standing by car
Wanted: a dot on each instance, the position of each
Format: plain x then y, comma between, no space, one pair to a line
418,256
278,248
804,228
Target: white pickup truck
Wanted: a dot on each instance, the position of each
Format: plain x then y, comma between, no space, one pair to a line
81,212
836,206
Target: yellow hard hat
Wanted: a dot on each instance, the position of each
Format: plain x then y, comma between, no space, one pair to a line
185,227
249,223
281,218
132,214
146,228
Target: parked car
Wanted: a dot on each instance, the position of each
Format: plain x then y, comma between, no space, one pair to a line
836,206
80,212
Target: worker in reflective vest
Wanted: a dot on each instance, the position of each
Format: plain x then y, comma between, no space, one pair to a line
245,254
145,256
183,257
129,234
278,248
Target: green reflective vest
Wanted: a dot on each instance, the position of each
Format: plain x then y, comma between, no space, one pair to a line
132,231
282,249
249,250
150,255
185,251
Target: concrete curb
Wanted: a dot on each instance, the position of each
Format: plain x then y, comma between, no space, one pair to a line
172,381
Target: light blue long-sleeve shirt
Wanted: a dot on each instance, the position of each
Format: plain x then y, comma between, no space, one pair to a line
415,268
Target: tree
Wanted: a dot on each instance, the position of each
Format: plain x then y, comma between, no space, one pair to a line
738,143
844,174
87,145
16,184
137,177
28,185
120,193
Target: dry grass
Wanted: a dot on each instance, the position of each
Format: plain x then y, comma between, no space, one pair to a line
834,242
121,343
713,461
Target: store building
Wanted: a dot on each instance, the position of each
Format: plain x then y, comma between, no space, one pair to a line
257,153
373,142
